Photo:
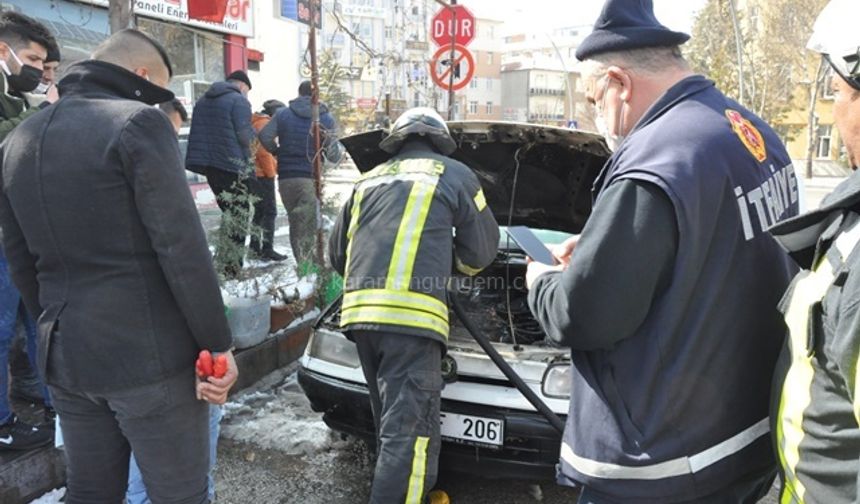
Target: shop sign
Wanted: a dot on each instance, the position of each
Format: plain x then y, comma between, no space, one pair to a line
363,11
238,21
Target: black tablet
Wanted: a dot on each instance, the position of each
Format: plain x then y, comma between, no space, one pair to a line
531,245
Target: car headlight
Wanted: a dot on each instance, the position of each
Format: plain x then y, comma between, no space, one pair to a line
335,348
556,381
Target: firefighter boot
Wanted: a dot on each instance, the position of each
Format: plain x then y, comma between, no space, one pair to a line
438,497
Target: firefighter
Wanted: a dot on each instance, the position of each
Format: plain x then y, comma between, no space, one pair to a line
392,243
667,300
816,400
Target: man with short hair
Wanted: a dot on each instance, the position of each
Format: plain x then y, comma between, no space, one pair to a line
175,111
24,44
815,410
136,493
667,298
219,147
26,383
290,137
106,246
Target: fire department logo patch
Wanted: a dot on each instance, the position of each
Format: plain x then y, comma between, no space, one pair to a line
749,135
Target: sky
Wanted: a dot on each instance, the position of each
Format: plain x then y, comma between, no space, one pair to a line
534,15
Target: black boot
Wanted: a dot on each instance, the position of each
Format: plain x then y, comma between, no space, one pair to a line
271,255
255,249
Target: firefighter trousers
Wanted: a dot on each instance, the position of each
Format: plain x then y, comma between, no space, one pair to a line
405,382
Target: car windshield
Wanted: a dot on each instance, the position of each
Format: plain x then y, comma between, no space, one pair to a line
549,238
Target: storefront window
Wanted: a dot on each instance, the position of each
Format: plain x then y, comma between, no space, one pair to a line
197,58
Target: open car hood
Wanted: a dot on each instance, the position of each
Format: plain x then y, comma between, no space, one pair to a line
557,168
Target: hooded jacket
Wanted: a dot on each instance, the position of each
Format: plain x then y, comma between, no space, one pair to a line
267,166
103,238
294,148
221,131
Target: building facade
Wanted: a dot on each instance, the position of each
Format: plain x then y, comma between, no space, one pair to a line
201,52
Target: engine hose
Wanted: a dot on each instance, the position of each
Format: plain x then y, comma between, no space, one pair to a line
504,367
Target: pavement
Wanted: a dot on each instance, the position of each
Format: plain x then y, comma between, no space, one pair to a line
817,188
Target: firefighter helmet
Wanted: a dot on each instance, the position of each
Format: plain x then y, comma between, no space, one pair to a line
835,36
421,121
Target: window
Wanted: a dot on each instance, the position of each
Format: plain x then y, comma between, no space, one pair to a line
473,84
827,84
195,57
473,107
825,139
489,107
489,83
489,58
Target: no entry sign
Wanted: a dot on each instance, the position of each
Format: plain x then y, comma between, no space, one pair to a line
444,26
441,67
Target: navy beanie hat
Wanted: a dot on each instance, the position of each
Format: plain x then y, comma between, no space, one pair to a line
625,25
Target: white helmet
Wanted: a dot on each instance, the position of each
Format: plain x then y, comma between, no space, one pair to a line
837,38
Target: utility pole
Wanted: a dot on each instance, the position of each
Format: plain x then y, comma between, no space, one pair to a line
738,49
315,124
120,15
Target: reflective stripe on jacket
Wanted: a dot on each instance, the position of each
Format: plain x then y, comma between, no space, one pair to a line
394,245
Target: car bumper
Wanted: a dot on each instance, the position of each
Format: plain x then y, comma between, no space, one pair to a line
531,446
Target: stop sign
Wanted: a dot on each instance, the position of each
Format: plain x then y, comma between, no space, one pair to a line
444,27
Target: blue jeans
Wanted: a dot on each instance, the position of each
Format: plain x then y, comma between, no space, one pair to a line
11,309
136,493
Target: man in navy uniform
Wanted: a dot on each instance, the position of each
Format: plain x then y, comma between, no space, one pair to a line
667,300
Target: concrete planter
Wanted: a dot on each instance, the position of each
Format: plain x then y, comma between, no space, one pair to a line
249,320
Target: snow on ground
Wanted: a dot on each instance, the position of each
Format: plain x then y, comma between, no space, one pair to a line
281,284
51,497
276,415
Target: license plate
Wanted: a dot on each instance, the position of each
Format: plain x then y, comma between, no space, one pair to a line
473,430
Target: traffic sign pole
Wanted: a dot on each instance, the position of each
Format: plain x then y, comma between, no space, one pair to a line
460,24
451,61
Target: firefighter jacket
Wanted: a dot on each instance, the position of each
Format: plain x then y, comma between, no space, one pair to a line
393,242
677,407
816,401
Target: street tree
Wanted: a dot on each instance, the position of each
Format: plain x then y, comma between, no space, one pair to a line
776,69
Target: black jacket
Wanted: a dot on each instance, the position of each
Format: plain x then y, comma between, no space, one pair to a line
103,238
221,131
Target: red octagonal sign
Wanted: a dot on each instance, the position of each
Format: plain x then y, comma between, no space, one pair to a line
444,26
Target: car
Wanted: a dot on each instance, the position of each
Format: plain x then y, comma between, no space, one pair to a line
535,176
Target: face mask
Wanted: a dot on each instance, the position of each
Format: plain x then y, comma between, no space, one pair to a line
27,79
613,141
